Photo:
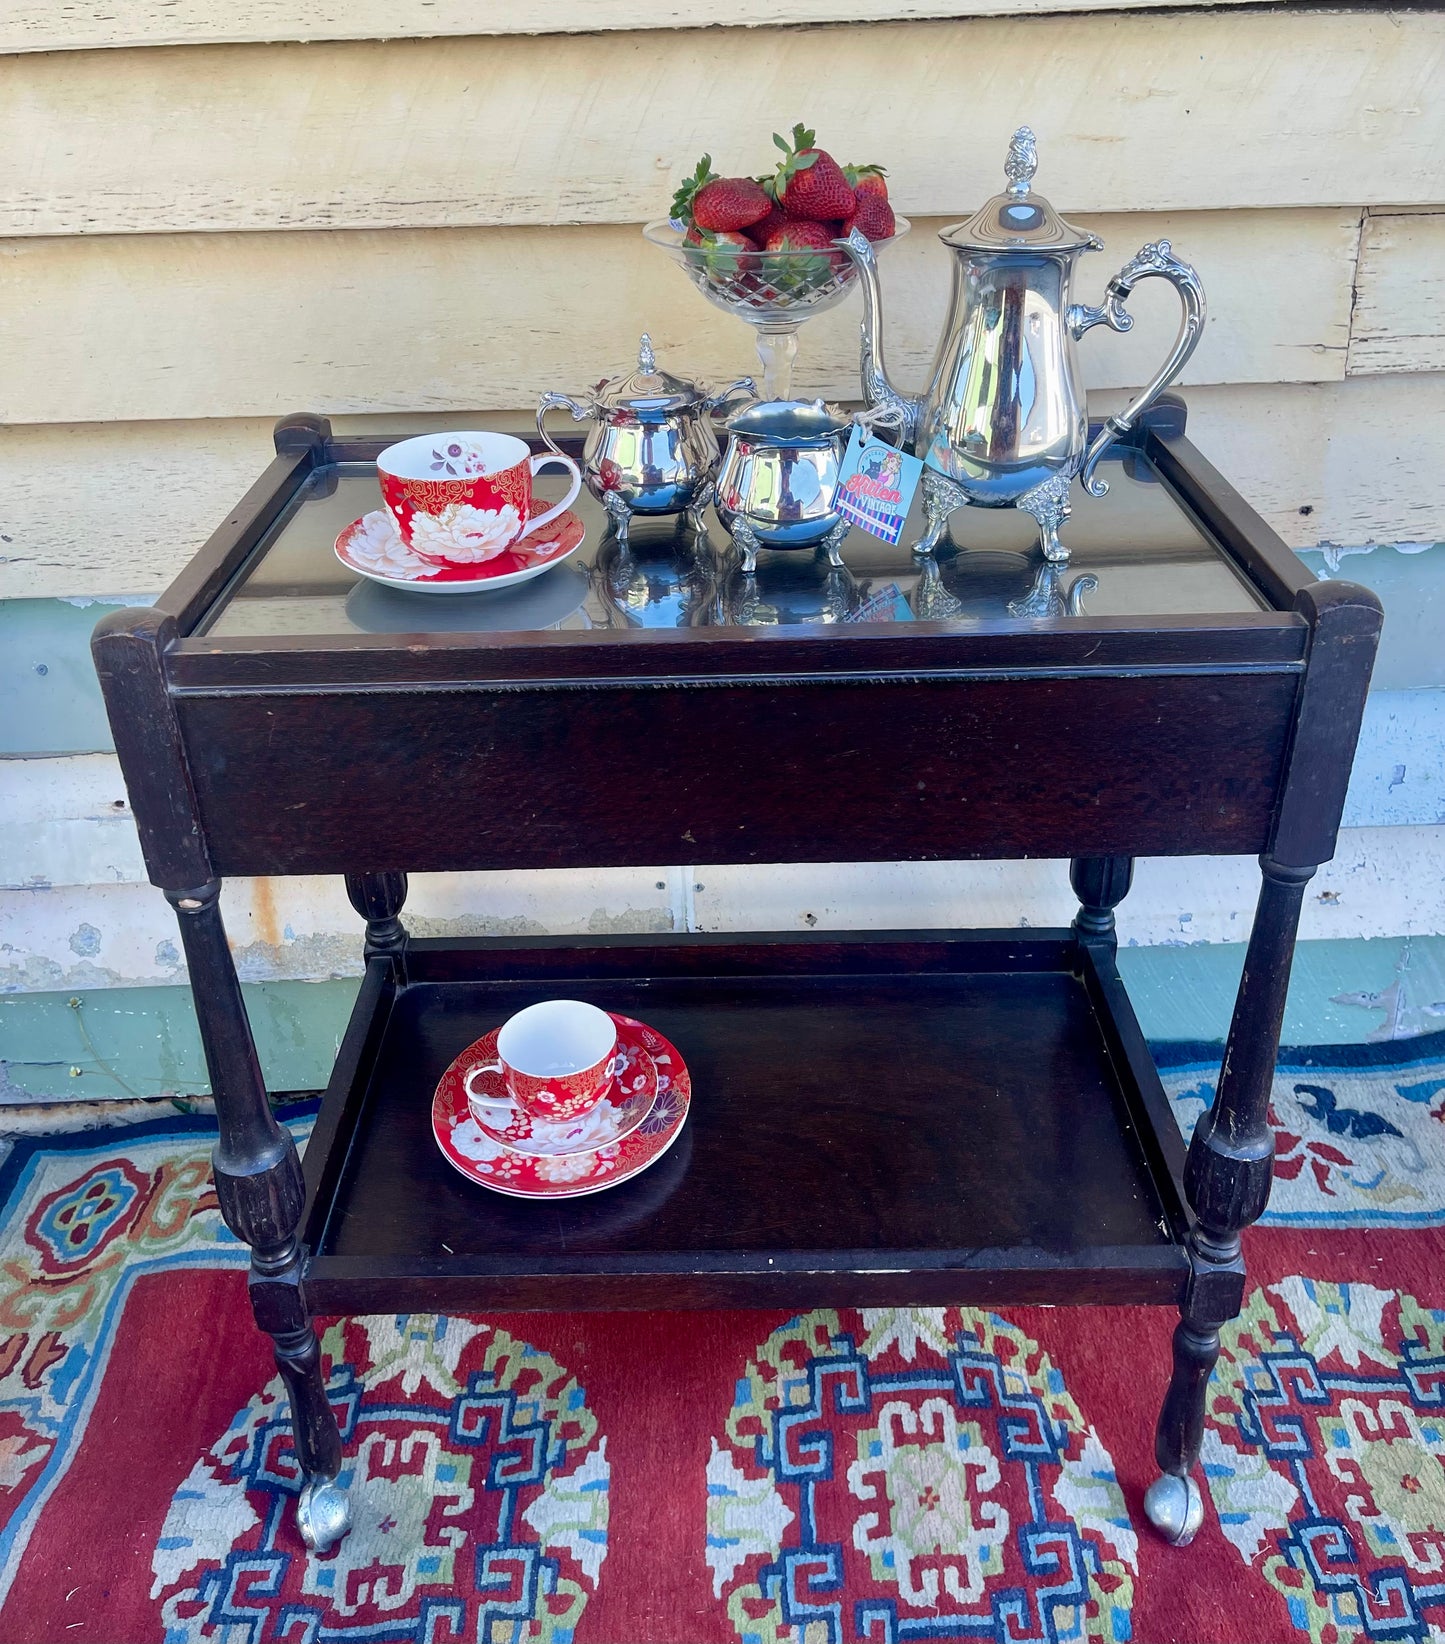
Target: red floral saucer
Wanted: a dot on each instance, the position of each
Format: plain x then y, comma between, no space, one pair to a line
568,1175
626,1105
371,547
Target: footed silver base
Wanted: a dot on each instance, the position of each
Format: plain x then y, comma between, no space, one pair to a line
1175,1508
1049,505
833,542
941,496
323,1513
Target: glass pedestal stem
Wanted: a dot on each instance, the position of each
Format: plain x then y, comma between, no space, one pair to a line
777,349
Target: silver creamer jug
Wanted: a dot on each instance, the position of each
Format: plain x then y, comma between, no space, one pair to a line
1002,422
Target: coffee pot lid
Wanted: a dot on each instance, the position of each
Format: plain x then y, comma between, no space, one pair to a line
1017,219
647,389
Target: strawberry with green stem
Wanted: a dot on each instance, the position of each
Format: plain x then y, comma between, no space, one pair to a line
809,183
720,256
719,205
799,255
864,180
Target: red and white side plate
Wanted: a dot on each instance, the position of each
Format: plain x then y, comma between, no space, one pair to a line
490,1163
372,548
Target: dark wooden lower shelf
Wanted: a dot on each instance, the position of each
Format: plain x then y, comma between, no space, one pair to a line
881,1119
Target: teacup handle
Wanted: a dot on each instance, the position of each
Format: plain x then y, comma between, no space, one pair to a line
484,1097
544,459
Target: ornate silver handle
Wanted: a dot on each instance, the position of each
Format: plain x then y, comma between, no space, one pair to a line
744,385
550,401
1155,260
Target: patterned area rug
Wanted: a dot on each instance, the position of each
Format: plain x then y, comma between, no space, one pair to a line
835,1477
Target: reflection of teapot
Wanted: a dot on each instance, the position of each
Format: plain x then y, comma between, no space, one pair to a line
979,584
1002,423
651,449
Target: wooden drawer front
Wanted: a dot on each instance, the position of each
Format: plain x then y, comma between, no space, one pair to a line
818,770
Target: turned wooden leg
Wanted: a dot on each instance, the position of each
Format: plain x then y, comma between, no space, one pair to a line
378,898
262,1194
1101,883
1226,1178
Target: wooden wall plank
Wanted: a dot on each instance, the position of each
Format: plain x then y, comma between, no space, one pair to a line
76,25
1399,317
152,494
1383,882
1310,458
140,326
1175,111
124,934
1333,465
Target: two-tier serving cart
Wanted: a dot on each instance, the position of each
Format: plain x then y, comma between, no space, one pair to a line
889,1117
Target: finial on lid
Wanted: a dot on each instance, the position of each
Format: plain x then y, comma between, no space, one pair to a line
646,359
1022,162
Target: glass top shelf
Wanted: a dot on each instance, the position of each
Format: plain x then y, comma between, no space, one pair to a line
1136,552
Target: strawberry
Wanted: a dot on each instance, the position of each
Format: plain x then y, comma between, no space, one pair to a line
702,175
718,204
795,234
718,253
758,232
873,219
729,203
867,180
806,255
809,183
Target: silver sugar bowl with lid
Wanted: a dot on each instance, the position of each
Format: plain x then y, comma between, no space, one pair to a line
651,448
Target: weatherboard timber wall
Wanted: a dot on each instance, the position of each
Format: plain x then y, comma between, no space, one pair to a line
212,214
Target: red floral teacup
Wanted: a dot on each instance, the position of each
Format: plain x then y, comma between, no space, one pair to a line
464,499
555,1060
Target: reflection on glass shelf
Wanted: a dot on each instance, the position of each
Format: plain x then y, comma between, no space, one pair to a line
1135,552
664,578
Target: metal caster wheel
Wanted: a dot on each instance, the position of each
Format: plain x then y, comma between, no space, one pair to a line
1175,1508
323,1513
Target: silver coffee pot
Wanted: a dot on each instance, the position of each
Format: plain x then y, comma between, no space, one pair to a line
652,448
1003,423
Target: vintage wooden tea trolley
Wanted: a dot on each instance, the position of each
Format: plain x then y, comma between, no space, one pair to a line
899,1117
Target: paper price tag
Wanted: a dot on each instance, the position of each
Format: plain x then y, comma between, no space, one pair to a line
876,485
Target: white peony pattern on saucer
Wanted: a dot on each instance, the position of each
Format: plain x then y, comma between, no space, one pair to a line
475,540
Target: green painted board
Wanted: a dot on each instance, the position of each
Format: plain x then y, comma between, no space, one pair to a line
144,1041
1340,992
50,695
1410,580
111,1042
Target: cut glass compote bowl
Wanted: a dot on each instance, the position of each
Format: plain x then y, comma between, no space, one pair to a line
773,291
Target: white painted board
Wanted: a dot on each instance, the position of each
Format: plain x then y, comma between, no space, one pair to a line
118,509
1383,882
84,25
225,325
1178,110
1399,317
